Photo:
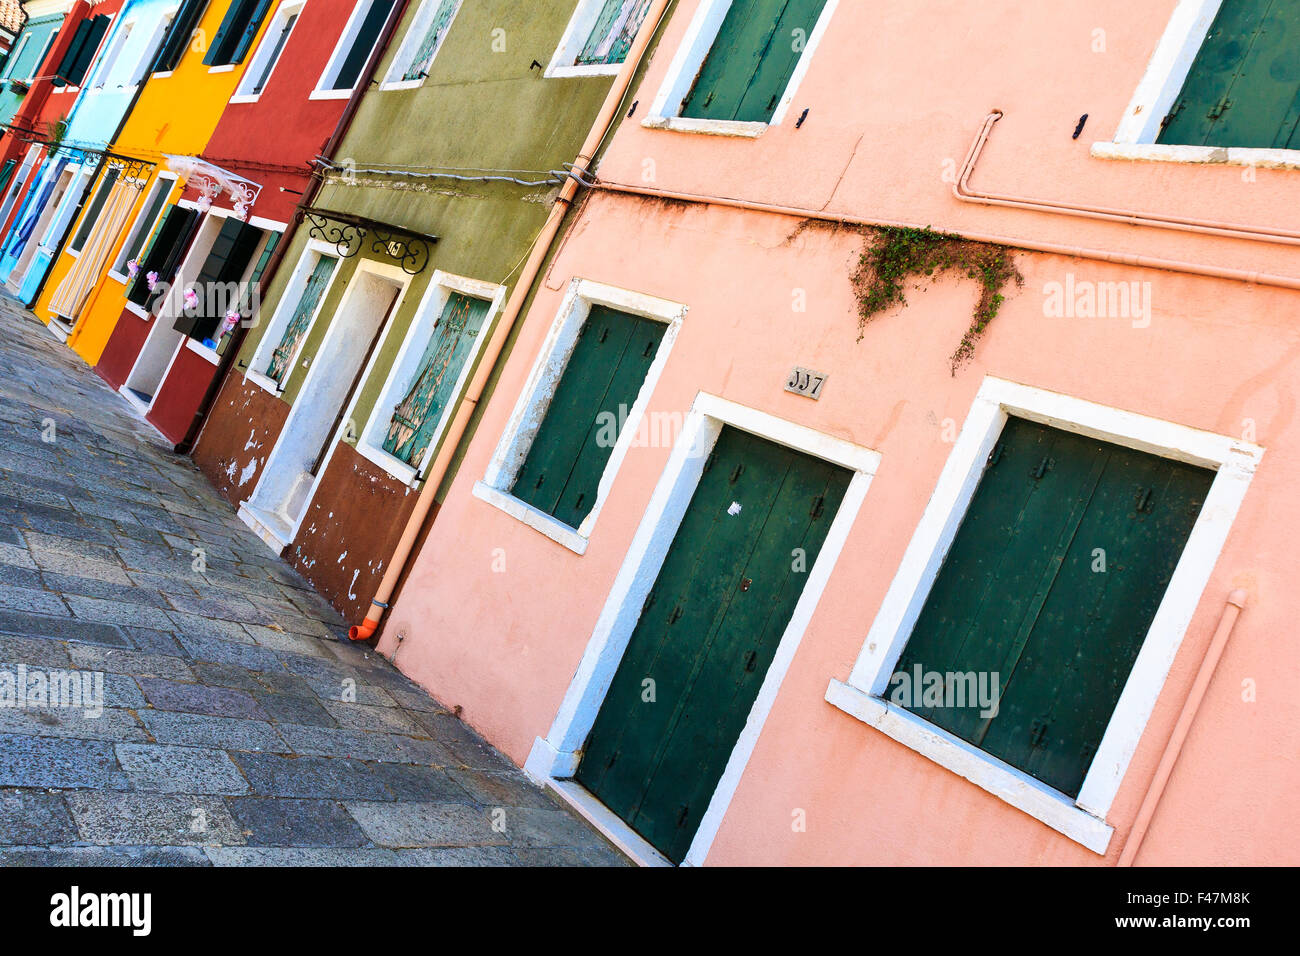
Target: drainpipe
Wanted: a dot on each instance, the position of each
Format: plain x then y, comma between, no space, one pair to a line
961,189
1050,248
605,119
227,364
1236,601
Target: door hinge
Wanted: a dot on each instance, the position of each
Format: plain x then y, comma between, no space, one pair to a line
676,615
1143,504
1041,468
818,506
737,472
1219,108
995,455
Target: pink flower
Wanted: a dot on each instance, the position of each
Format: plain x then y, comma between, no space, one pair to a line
232,319
133,268
191,298
152,279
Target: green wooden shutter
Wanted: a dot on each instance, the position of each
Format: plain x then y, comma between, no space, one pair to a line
256,16
1244,86
6,173
148,219
283,354
179,35
367,35
94,36
417,416
169,243
92,212
600,383
273,57
752,60
1022,593
707,633
615,28
424,54
62,74
227,260
228,33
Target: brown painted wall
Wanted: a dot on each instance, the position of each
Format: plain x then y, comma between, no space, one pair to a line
350,530
240,432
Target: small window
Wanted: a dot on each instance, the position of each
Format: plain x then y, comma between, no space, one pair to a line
597,39
269,50
144,224
423,40
76,60
106,69
163,255
1046,595
220,287
290,339
354,47
752,60
93,210
1243,89
234,38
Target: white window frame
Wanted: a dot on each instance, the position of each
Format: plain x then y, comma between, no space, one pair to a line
312,253
137,224
1082,819
66,208
405,366
1135,137
411,42
13,59
554,759
690,57
108,55
140,72
575,39
341,50
265,45
535,399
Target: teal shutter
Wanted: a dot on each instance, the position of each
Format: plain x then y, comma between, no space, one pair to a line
614,31
249,33
600,383
1244,86
179,35
417,416
91,215
283,354
63,73
367,36
752,60
227,260
277,48
1023,593
29,58
424,54
707,633
223,44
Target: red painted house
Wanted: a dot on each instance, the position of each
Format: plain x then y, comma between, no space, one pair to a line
245,185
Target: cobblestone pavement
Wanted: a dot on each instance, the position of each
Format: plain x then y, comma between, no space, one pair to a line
229,733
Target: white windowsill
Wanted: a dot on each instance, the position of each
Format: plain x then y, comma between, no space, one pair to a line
118,277
198,348
161,75
402,85
137,311
329,94
223,68
1203,155
589,69
536,519
686,124
265,382
246,98
1002,780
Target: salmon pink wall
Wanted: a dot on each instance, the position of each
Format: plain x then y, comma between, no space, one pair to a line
895,93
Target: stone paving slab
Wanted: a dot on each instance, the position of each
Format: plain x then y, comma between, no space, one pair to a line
238,727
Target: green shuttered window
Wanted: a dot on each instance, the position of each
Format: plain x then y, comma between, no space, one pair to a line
615,29
235,35
1244,86
179,34
417,415
218,283
752,60
596,391
443,11
163,256
283,354
72,68
1051,583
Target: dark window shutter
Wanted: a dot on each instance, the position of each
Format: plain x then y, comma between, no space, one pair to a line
1244,86
164,254
751,60
250,31
602,377
64,71
179,35
368,33
227,260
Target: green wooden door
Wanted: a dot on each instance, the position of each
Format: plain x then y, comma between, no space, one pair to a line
416,417
1244,86
707,633
604,374
1052,582
752,59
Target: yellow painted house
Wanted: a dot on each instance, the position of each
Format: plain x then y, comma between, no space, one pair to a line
175,115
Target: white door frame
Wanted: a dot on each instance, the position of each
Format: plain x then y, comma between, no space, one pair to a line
554,759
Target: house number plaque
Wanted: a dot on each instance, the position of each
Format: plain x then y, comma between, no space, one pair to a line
806,382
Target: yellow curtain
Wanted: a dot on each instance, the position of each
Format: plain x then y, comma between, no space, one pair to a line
70,297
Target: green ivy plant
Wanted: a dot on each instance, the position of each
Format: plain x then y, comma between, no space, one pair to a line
893,255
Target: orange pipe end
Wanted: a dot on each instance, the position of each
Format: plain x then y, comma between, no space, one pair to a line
363,631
